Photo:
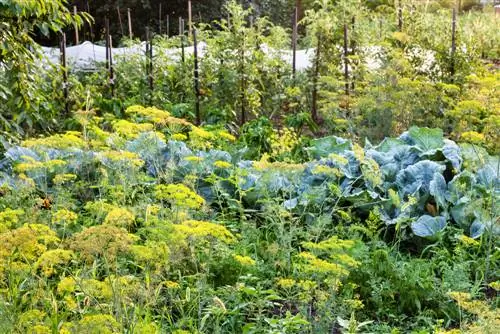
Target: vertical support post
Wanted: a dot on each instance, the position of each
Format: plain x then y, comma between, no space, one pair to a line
190,19
77,38
129,18
109,58
400,16
353,47
159,19
242,82
168,25
196,79
90,23
294,41
346,59
453,43
120,19
151,77
106,41
314,110
64,73
181,32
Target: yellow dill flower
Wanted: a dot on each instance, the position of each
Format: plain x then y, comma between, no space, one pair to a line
70,139
179,137
223,134
394,197
26,243
152,114
66,285
40,329
171,285
307,285
97,289
201,229
245,261
64,216
131,130
32,166
179,195
359,153
101,241
495,285
9,218
467,241
153,252
60,179
338,159
313,264
193,158
52,258
31,317
286,283
326,170
472,137
200,133
222,164
98,323
125,158
120,218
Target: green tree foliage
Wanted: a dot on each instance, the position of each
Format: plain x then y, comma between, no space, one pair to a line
19,55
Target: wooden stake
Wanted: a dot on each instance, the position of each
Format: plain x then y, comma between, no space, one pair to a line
314,111
109,58
294,41
129,18
346,59
77,39
159,19
196,80
120,19
181,27
168,25
453,43
106,41
190,19
400,17
353,47
64,73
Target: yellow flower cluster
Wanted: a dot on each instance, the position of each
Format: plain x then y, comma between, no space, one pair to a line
179,137
200,229
32,165
286,283
68,140
179,195
125,158
468,241
153,252
263,164
52,258
101,241
61,179
326,170
98,323
193,158
222,164
64,216
120,217
488,320
150,114
223,134
312,264
472,137
9,219
131,130
283,142
245,261
171,285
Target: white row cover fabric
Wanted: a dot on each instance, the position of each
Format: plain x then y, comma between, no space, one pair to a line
87,55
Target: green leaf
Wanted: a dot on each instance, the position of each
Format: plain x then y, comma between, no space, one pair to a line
428,226
426,139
